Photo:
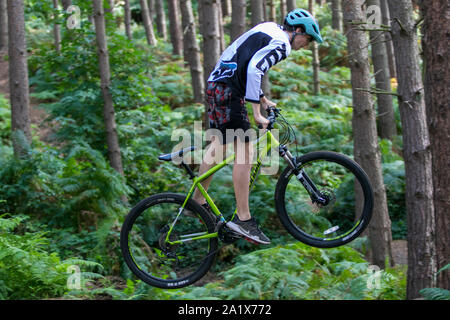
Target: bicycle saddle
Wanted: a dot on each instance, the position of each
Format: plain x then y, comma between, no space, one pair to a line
176,154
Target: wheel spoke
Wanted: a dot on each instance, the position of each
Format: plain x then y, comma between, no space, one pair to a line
165,247
325,201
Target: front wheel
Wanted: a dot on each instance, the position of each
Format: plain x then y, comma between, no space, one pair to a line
326,202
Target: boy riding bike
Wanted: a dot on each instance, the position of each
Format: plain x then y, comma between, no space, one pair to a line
237,79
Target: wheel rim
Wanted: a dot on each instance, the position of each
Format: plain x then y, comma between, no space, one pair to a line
175,260
341,215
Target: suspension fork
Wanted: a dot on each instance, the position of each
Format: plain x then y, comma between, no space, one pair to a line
314,193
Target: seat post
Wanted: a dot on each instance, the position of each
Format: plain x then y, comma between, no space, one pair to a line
188,169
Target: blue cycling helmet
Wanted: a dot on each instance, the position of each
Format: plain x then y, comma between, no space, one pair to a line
301,17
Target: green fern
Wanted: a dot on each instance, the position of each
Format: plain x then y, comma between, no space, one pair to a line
436,293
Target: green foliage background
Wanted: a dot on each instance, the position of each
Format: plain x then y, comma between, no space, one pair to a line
62,205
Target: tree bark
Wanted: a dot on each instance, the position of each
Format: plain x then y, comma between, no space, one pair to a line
437,83
238,14
175,27
257,16
366,149
211,44
226,8
112,139
211,41
18,78
56,30
3,25
386,20
220,22
336,7
147,22
272,11
256,9
66,4
192,50
283,10
127,14
416,151
151,8
161,19
291,5
386,117
315,56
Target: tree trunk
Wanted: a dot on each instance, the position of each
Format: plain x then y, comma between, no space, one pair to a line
18,78
238,22
151,8
386,116
366,149
386,20
226,8
112,139
336,7
257,16
315,55
416,151
291,5
127,14
147,22
283,10
161,19
437,83
3,25
220,23
66,4
56,30
272,11
256,9
211,41
175,27
211,44
192,50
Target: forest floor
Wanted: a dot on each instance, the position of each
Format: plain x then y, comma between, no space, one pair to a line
40,127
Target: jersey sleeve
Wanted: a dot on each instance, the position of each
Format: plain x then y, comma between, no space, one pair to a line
262,61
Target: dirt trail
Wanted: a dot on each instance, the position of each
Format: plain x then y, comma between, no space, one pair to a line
38,115
4,76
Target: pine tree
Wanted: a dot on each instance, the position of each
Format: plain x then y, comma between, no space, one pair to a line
416,151
366,149
18,78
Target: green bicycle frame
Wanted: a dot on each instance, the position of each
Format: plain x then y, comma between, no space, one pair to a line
269,142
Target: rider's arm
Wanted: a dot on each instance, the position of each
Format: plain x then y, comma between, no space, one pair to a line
260,63
257,115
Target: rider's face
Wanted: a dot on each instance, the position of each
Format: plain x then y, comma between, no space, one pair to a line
301,41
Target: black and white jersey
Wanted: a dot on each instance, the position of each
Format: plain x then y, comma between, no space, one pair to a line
245,61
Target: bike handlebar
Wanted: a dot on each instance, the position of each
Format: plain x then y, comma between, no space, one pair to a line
272,114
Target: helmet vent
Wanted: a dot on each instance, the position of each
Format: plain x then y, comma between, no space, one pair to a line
315,29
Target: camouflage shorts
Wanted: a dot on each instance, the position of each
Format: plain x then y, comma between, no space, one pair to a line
226,109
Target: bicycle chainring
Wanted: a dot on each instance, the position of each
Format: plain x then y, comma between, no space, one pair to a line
226,235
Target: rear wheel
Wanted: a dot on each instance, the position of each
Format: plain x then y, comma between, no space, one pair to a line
164,248
346,199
